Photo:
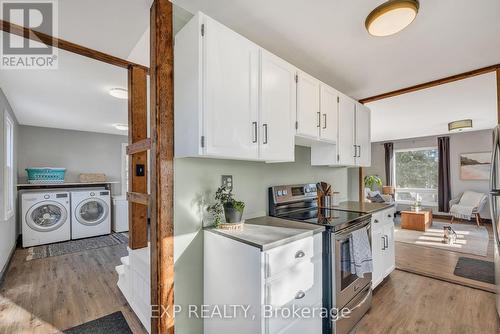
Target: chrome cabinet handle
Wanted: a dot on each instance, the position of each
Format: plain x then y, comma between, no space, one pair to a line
301,294
376,221
390,216
319,119
359,152
254,124
324,121
355,151
383,242
300,254
265,133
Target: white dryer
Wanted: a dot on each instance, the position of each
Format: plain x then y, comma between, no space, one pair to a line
90,213
45,217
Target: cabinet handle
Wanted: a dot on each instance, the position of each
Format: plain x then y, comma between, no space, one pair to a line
359,152
324,121
300,254
390,216
265,133
355,151
383,242
319,119
376,221
386,241
301,294
254,124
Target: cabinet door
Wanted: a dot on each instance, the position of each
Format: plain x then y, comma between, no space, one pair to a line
329,113
363,138
389,252
377,256
346,143
230,106
277,108
308,120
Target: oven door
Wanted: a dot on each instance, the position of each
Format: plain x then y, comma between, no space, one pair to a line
348,285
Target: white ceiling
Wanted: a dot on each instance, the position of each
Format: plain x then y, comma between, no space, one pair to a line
327,38
427,112
74,97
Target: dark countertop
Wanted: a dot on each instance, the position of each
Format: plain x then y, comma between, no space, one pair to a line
269,232
364,207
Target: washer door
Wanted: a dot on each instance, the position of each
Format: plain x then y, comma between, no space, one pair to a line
91,211
46,216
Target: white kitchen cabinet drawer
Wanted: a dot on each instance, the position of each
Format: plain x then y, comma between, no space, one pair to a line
303,325
281,258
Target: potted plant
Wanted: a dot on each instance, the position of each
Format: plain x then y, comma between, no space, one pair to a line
225,202
373,180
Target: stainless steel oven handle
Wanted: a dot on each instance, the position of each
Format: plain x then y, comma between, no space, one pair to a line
346,232
363,300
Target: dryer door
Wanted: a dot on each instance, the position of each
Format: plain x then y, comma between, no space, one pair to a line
92,211
46,216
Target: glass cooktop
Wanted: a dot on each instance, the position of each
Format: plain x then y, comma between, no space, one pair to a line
327,217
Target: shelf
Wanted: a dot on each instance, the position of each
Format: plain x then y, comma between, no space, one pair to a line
65,185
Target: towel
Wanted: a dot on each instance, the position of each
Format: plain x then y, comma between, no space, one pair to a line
361,253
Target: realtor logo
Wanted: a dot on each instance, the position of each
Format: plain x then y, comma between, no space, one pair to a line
29,53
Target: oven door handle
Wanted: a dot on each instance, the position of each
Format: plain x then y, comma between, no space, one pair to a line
363,300
346,232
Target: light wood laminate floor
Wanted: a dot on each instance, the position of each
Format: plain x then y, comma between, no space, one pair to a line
56,293
439,263
409,303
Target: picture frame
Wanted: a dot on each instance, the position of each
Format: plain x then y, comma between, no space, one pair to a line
475,166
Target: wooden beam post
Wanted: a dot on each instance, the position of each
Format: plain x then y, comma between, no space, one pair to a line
361,184
138,131
498,95
162,167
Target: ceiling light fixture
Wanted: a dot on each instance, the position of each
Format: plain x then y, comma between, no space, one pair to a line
121,127
119,93
460,125
391,17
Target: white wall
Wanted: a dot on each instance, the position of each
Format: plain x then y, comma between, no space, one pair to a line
77,151
466,142
195,183
8,231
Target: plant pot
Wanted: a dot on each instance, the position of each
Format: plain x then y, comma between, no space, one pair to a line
232,215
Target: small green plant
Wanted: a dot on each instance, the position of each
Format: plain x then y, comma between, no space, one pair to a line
373,180
225,202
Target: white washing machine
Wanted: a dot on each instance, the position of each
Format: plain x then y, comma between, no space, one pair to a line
90,213
45,217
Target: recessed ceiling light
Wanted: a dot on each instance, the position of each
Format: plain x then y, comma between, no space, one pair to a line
121,127
391,17
119,93
460,125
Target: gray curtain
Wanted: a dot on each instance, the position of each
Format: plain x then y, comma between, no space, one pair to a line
444,191
389,163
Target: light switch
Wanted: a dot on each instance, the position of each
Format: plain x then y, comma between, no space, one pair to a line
227,181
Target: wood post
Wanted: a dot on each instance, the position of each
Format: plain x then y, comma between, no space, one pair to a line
138,130
361,185
498,95
162,166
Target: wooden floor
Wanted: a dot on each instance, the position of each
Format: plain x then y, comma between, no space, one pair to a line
57,293
409,303
439,263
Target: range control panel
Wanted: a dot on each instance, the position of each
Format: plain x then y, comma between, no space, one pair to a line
292,193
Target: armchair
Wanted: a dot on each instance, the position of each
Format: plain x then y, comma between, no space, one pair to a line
468,204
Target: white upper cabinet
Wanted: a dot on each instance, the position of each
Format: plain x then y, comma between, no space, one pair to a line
346,146
277,108
308,110
329,114
363,140
231,91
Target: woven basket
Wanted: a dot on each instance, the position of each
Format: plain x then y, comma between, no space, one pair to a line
45,175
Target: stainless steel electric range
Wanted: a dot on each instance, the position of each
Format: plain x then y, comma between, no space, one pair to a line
341,288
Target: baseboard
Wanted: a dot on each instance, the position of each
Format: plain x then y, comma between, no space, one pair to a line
7,264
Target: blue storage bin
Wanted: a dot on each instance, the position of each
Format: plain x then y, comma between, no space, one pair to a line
45,175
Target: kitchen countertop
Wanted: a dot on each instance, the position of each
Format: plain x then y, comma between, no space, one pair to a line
269,232
364,207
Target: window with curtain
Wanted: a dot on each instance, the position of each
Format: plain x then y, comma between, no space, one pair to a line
8,175
416,175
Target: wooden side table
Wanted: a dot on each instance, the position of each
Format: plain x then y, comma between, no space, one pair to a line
416,220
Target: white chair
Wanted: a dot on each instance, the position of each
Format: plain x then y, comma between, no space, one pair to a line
468,204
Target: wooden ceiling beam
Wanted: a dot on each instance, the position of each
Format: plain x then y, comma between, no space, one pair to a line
433,83
67,46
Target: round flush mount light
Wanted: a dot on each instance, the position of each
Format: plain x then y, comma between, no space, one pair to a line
460,125
119,93
121,127
391,17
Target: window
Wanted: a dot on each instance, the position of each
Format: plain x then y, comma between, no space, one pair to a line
124,170
416,175
8,175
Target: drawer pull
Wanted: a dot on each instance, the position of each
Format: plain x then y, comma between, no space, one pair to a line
300,254
301,294
376,221
390,216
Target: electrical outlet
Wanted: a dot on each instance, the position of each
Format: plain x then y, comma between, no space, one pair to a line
227,181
